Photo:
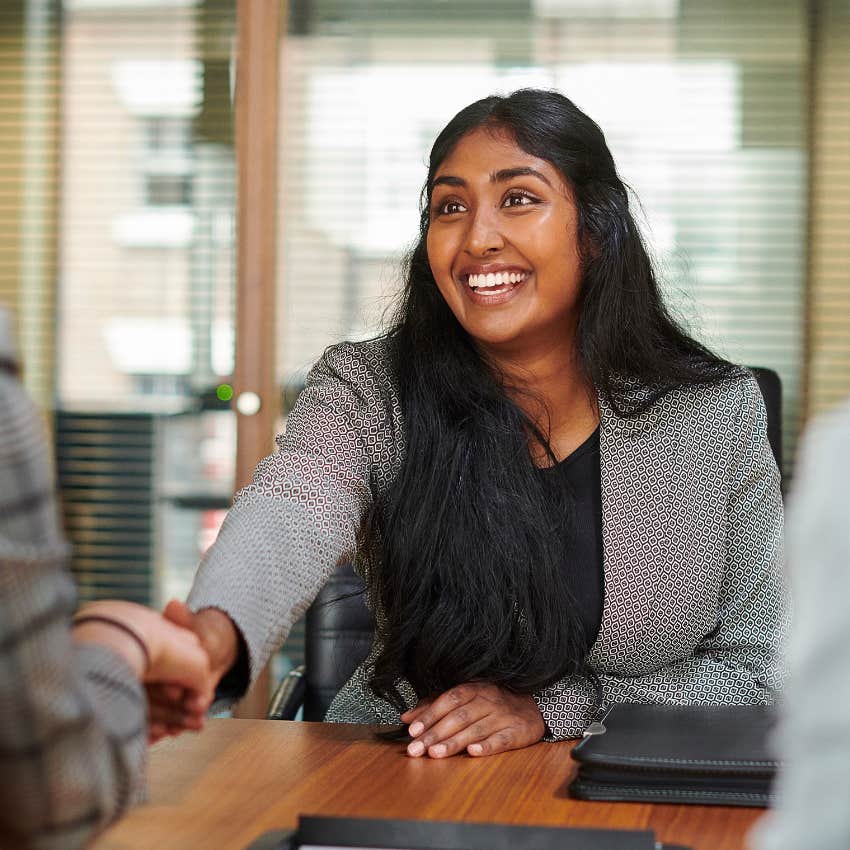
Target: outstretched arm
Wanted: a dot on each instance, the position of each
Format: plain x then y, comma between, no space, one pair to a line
289,528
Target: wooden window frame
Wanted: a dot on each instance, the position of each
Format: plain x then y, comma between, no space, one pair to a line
258,25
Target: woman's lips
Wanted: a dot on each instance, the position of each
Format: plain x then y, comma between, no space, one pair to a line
491,288
491,280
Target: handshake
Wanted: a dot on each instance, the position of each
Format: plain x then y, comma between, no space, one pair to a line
178,656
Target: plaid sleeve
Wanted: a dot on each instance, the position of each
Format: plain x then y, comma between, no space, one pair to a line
72,719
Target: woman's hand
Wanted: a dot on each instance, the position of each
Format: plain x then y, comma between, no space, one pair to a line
479,718
217,634
173,657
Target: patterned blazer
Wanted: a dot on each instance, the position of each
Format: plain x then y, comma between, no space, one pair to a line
692,518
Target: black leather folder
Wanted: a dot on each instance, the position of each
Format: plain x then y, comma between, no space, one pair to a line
716,755
444,835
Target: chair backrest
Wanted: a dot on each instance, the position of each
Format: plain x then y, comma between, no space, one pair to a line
771,391
338,633
339,628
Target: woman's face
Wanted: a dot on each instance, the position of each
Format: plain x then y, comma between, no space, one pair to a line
502,245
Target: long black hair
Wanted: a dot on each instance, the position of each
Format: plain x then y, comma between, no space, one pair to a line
464,554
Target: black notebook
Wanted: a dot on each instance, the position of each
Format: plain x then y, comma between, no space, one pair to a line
329,833
678,754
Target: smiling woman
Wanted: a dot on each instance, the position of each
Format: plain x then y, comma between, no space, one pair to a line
503,245
556,497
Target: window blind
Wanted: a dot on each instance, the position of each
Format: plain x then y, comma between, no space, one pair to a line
29,158
145,301
829,291
117,178
703,104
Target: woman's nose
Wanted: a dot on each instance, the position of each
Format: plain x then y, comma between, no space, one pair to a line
484,235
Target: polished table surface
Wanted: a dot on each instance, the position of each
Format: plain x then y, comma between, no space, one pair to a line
224,787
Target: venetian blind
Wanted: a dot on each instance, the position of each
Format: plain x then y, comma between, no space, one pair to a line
704,105
29,157
117,175
829,292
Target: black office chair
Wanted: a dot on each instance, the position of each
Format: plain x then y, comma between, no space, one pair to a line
338,633
339,628
771,391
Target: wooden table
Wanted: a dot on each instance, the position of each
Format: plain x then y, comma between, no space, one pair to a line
239,778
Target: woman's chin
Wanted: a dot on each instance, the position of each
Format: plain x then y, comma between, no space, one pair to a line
498,341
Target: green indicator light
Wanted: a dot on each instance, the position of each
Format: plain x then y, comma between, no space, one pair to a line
224,392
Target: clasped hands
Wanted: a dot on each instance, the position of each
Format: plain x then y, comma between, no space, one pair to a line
190,652
164,655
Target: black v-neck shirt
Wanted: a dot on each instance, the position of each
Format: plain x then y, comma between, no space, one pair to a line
580,473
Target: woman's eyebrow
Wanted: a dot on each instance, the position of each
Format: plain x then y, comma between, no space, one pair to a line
501,176
448,180
506,174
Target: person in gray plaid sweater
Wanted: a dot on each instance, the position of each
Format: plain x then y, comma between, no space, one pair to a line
73,712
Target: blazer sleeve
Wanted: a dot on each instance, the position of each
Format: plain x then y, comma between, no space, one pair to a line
72,718
298,518
737,662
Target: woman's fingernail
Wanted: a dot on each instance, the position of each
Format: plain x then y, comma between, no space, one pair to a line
416,748
475,749
415,729
438,750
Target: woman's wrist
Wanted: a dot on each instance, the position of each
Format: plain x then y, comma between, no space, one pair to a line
219,638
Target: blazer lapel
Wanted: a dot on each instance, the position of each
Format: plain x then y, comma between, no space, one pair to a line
659,574
623,533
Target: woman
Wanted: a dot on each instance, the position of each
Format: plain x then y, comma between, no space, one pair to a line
557,498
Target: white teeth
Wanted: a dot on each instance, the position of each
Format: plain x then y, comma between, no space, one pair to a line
495,279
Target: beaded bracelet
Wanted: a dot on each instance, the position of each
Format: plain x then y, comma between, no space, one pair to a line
103,618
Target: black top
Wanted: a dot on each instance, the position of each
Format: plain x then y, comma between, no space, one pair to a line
579,473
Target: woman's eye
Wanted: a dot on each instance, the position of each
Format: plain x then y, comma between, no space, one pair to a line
518,199
449,207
